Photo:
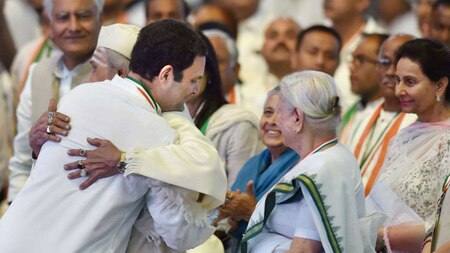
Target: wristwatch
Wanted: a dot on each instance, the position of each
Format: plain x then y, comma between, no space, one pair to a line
122,164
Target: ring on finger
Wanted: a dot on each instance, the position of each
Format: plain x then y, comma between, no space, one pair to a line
50,120
83,173
80,165
51,114
82,152
49,129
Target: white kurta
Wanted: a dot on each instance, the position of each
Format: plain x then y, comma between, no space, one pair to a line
51,214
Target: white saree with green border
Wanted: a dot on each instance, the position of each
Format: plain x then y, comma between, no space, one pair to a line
329,183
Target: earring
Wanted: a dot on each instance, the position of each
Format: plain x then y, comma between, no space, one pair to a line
438,99
296,130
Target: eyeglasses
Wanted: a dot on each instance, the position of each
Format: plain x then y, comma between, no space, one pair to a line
384,62
360,60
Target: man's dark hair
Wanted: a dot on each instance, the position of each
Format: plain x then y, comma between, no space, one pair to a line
212,97
380,37
439,3
184,5
432,56
318,28
166,42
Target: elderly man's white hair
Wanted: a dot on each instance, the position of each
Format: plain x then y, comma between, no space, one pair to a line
229,42
48,7
316,95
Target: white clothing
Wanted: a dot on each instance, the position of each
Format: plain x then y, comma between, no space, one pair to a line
23,58
4,147
342,74
335,174
251,32
23,21
417,162
101,217
254,94
375,139
20,163
234,132
404,24
355,126
136,14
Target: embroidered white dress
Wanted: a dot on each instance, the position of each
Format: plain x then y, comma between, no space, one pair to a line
416,165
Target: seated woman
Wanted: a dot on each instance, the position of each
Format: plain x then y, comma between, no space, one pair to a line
260,173
232,129
318,203
418,158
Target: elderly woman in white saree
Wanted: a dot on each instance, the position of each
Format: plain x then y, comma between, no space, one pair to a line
318,203
418,158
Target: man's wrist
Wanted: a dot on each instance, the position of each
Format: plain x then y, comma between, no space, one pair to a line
121,166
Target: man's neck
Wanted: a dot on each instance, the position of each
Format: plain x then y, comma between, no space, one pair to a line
280,69
71,61
392,105
347,28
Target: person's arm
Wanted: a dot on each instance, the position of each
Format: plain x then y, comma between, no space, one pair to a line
402,237
179,219
302,245
193,150
243,144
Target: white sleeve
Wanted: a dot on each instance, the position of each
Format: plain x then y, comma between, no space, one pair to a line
193,153
305,226
243,144
180,221
20,163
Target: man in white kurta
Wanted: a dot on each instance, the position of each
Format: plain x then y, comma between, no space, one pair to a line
100,218
65,219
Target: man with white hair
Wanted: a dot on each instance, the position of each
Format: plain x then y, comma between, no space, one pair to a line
74,28
112,55
227,58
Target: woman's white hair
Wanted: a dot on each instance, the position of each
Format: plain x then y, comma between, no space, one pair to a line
48,7
316,95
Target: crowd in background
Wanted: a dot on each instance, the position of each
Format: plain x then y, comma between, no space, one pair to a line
389,60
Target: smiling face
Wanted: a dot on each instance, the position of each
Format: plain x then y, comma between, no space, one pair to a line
269,131
74,27
386,68
417,93
285,122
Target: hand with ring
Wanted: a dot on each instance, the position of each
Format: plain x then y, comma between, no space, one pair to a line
240,205
48,127
99,163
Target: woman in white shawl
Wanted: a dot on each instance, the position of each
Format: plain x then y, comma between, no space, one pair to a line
418,158
317,205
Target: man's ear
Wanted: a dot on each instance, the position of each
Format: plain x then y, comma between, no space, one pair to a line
166,74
